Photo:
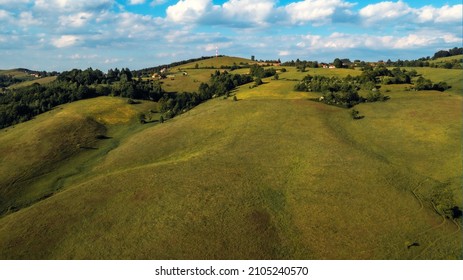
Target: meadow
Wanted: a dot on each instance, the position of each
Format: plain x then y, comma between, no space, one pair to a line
273,175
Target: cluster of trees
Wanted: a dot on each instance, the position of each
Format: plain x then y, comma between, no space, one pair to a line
450,52
220,84
24,103
344,91
147,72
381,74
8,80
301,64
426,84
336,91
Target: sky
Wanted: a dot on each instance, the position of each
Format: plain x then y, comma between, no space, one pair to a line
58,35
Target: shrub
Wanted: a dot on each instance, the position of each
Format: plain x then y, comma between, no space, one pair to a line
355,114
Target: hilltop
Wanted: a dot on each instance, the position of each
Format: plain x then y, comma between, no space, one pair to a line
272,175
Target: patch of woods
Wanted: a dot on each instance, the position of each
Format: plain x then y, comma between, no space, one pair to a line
455,63
147,72
220,84
344,92
22,104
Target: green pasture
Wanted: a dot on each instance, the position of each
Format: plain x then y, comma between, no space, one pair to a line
216,62
273,175
41,81
39,155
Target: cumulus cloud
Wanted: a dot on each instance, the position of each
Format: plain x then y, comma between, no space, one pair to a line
445,14
136,2
65,41
75,20
315,11
391,12
188,11
342,41
157,2
4,15
257,11
70,6
385,11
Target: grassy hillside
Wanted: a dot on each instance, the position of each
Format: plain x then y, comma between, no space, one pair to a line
271,176
37,156
216,62
41,81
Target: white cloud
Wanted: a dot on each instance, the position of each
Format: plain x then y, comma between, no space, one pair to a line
316,11
70,6
65,41
188,11
391,12
385,11
13,4
111,60
136,2
445,14
343,41
284,53
157,2
75,20
4,15
257,11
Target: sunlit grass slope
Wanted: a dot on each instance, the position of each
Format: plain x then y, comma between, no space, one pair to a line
41,81
38,156
216,62
267,177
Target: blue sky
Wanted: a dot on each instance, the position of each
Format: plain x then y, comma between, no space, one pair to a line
64,34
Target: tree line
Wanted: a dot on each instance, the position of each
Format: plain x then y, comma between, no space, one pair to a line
24,103
344,91
220,84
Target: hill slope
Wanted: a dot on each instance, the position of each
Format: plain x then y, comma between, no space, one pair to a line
271,176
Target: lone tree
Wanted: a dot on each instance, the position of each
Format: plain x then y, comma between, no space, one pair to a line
355,114
142,118
161,119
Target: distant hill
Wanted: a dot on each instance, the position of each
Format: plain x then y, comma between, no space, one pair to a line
217,62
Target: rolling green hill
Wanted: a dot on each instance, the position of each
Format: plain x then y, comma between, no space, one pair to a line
41,81
270,176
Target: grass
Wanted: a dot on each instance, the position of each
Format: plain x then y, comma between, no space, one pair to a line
449,58
52,146
216,62
41,81
271,176
451,76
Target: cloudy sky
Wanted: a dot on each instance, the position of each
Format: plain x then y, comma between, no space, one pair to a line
64,34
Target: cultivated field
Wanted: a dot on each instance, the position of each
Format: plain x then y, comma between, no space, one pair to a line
270,176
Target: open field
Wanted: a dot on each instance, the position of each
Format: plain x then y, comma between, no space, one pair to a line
453,77
15,73
216,62
271,176
38,155
41,81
